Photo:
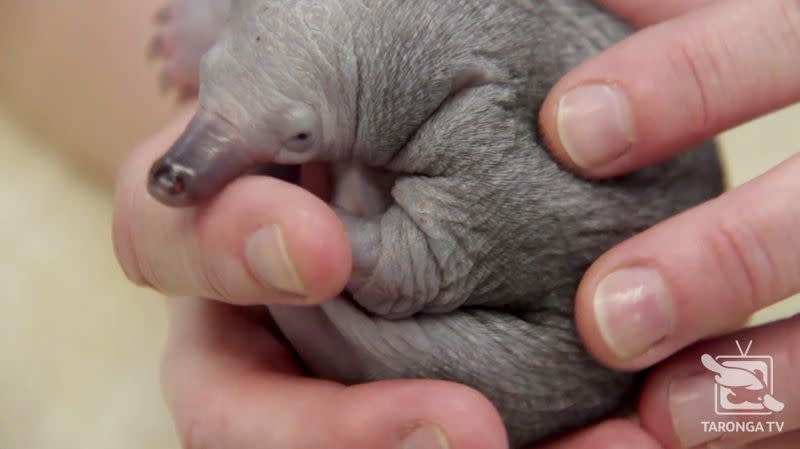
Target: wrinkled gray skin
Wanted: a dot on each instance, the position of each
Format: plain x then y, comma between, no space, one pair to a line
468,239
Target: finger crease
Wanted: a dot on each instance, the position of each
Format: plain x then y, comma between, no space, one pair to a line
700,88
730,247
213,280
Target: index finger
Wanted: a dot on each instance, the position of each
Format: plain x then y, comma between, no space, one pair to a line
675,84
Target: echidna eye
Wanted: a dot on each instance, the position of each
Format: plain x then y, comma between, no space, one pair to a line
302,128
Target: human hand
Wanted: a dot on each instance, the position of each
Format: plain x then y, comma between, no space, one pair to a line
192,244
229,381
698,68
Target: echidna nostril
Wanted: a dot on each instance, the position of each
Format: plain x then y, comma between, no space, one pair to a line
169,183
178,184
169,180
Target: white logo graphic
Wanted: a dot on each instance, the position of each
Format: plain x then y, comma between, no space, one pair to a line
743,383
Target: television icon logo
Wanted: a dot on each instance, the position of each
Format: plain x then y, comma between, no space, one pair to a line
743,383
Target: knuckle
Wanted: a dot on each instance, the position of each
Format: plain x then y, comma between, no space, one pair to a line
744,259
139,268
148,277
214,280
694,60
126,256
792,327
123,223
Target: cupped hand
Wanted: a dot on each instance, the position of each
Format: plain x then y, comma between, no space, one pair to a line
229,380
697,68
231,384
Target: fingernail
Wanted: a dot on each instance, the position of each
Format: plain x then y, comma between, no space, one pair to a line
424,437
634,311
691,402
595,125
270,262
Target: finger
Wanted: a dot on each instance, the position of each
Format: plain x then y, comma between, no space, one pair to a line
227,394
682,406
698,274
616,434
647,12
261,240
674,85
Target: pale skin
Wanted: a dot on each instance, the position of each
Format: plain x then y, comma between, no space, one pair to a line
696,68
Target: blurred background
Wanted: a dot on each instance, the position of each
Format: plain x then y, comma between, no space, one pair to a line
79,345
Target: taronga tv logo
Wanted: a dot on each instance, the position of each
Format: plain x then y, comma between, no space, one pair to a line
744,383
